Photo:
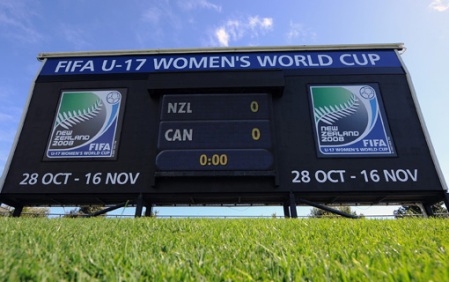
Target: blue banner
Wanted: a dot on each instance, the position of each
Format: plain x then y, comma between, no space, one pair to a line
221,61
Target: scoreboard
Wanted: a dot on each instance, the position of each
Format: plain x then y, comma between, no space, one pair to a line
255,125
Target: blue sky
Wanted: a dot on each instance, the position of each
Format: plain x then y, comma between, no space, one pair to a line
29,27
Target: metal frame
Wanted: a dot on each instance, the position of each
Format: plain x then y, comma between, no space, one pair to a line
396,46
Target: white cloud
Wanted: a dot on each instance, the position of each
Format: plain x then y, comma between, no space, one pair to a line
264,23
298,32
234,30
439,5
16,21
199,4
222,36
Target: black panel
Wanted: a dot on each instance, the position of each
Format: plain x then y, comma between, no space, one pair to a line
196,138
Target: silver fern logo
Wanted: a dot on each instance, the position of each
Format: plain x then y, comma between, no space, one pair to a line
85,125
71,118
349,121
332,113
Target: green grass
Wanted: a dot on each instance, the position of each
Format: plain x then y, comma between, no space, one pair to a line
149,249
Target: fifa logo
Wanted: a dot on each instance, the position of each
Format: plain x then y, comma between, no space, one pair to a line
349,121
85,124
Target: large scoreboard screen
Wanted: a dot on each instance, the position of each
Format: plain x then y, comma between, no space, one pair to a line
328,124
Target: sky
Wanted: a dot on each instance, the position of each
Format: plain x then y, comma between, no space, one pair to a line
30,27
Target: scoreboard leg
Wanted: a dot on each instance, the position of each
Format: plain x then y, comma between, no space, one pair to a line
17,211
286,210
148,210
139,206
428,210
293,211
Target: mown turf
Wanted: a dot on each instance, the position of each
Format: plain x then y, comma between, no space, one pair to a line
149,249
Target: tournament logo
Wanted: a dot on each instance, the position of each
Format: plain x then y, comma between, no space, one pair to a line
86,125
349,121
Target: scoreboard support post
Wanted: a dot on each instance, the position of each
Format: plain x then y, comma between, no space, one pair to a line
428,210
139,205
17,211
286,210
293,210
148,210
